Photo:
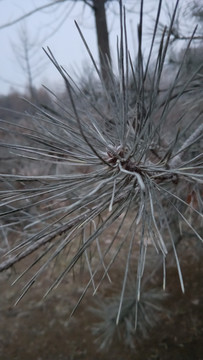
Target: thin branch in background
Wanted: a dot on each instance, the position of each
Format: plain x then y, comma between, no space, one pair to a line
30,13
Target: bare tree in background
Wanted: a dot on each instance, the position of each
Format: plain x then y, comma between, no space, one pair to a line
99,10
102,34
28,59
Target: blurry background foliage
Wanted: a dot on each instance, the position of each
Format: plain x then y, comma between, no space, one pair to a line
106,176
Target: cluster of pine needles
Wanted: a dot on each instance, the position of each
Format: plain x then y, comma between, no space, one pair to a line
119,171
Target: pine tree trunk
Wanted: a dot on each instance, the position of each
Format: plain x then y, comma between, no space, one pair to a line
102,36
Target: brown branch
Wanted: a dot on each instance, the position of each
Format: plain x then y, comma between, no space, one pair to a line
47,238
36,245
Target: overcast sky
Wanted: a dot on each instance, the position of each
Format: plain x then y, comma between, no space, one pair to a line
66,43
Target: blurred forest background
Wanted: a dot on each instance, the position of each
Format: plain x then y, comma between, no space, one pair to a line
41,330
